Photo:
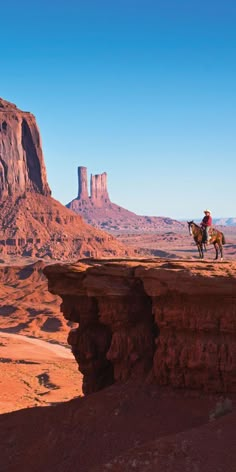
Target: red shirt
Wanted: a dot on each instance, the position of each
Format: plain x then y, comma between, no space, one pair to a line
207,221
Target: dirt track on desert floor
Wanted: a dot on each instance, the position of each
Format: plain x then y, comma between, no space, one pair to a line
35,373
55,349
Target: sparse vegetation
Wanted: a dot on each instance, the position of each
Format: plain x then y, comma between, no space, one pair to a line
222,408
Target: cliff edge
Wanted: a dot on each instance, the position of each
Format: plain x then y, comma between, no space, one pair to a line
171,323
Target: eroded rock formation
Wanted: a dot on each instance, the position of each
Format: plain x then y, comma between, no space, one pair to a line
32,223
170,323
22,167
83,183
98,210
98,189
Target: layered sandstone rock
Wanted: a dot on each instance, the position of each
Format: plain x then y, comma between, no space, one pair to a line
171,323
39,226
31,222
22,167
83,183
98,189
98,210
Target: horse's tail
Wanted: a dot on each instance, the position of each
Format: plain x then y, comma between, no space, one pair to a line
223,238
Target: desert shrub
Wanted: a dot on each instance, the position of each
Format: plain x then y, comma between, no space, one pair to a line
222,408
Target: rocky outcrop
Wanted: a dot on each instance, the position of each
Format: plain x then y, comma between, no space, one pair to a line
32,223
22,167
39,226
98,210
169,323
83,183
98,189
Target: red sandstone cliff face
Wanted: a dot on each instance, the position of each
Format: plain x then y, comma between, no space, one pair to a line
171,323
98,189
22,167
31,222
39,226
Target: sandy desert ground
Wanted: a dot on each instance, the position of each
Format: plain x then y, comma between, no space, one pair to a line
175,245
35,373
122,428
36,364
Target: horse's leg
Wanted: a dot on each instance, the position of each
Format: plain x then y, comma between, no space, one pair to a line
216,249
200,248
221,252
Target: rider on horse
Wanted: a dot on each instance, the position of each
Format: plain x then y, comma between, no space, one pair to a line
206,225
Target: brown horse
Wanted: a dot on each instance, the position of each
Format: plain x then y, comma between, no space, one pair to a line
216,237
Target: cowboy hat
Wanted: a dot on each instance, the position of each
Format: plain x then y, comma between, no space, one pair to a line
207,211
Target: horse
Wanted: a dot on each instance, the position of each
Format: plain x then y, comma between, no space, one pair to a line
216,237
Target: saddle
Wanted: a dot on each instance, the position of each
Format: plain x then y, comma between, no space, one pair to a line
204,234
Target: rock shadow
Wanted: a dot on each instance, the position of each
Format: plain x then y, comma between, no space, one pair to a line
44,380
6,310
51,325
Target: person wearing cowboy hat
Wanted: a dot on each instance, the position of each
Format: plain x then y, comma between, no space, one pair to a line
206,225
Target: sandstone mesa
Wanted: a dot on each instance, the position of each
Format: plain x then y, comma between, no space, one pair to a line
32,223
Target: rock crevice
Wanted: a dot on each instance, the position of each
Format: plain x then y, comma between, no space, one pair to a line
172,324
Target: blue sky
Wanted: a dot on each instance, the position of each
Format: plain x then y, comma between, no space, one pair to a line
144,90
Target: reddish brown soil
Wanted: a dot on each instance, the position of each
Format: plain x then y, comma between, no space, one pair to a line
35,373
27,308
176,244
89,432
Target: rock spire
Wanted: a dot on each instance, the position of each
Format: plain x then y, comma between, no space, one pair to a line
98,187
83,183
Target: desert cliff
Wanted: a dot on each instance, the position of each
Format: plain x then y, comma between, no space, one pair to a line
171,323
32,223
22,167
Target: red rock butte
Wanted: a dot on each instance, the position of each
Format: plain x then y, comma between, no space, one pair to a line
32,223
98,187
98,210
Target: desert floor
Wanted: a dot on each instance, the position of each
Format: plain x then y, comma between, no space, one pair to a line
35,373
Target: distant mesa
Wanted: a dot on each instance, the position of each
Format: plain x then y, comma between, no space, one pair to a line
32,223
98,210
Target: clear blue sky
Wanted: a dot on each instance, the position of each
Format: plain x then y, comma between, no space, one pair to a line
144,90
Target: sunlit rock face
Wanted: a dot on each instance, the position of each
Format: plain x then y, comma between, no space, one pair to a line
157,321
22,167
98,198
32,223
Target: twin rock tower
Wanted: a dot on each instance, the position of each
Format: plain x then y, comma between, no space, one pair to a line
98,188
